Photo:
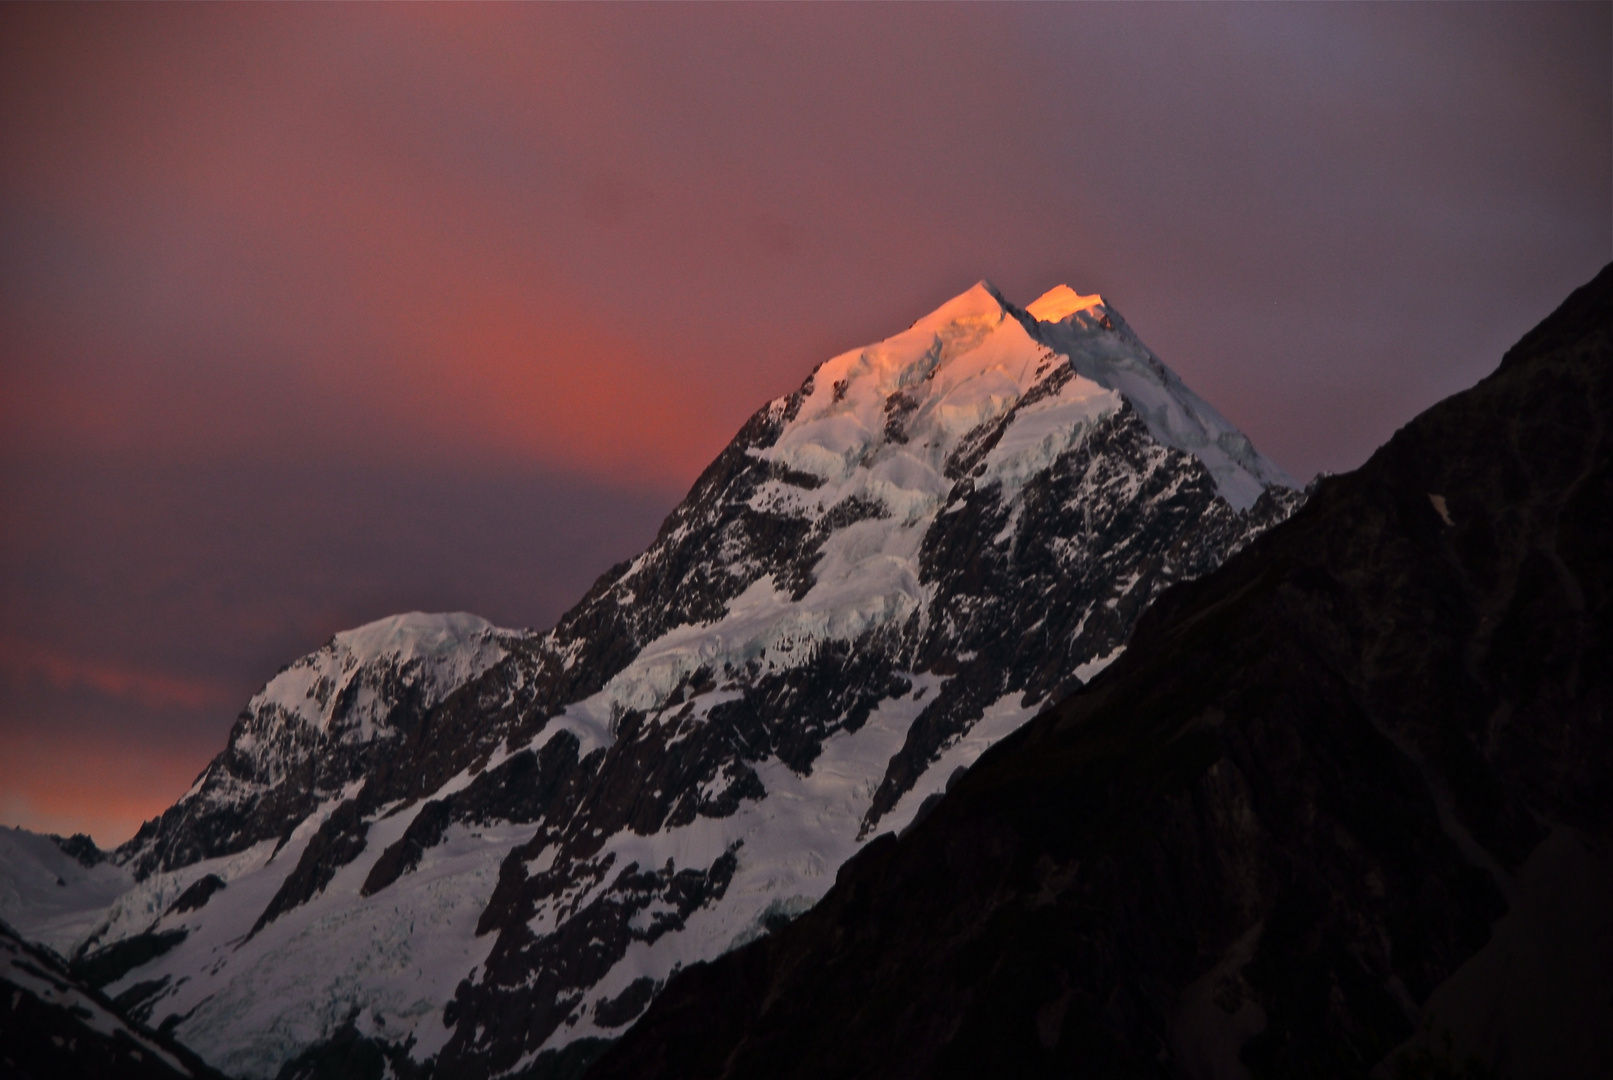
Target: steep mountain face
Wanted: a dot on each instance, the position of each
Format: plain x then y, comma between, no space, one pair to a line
53,1027
489,849
1343,800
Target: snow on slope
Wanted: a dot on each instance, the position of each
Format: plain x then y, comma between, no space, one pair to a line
1103,347
260,998
431,654
51,897
482,846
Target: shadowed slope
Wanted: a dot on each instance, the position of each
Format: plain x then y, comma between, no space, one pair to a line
53,1026
1319,782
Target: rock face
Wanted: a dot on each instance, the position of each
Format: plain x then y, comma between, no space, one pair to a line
436,841
53,1027
1355,785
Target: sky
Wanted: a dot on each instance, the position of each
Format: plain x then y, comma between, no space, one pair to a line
310,315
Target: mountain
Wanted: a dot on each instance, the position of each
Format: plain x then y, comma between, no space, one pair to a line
436,841
52,1027
1343,808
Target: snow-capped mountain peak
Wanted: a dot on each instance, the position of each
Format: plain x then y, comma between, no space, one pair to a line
415,634
489,845
981,302
901,407
1102,347
969,362
359,676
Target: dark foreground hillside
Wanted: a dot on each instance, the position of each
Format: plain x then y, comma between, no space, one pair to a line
55,1027
1343,806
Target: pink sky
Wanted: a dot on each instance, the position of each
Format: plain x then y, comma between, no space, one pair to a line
312,314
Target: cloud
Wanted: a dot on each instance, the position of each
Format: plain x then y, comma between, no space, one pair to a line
105,788
141,604
22,660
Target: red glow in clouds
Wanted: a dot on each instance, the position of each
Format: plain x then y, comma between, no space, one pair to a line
313,314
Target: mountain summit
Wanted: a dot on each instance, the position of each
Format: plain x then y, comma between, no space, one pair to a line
437,840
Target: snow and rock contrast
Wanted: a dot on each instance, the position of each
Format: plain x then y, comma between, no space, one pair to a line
1342,809
492,848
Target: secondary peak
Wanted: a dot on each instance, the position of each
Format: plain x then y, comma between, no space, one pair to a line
1060,302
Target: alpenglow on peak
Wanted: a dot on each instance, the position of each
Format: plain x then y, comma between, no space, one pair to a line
1059,303
969,363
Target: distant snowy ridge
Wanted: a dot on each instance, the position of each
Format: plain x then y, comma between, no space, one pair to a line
482,846
54,896
345,689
